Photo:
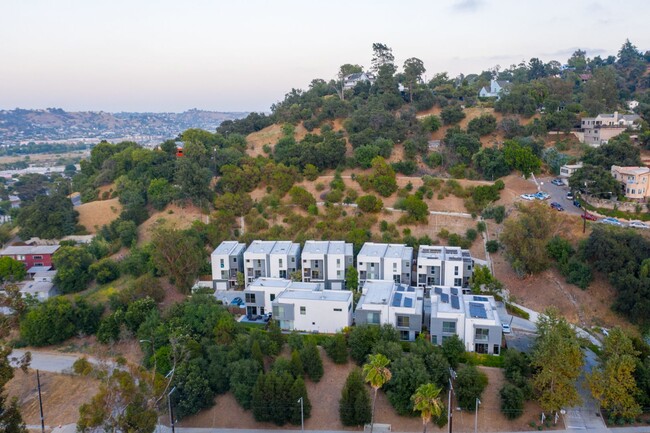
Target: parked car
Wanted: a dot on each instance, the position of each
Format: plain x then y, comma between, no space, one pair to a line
557,206
506,328
528,196
237,301
541,195
589,217
267,317
557,182
576,203
611,221
638,225
569,195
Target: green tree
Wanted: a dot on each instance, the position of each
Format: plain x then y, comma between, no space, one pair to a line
452,114
426,400
370,203
72,264
453,349
483,125
48,217
312,361
431,123
521,158
299,391
51,322
408,373
416,209
179,255
160,193
11,270
383,177
243,376
613,383
470,384
337,348
301,197
596,180
377,374
512,401
351,279
413,70
354,405
104,271
557,360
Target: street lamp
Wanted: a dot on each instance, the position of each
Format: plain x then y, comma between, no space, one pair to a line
476,416
171,411
452,375
302,414
40,401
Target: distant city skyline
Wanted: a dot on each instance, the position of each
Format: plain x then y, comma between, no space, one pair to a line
171,56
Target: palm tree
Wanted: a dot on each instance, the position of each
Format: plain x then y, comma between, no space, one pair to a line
376,373
426,399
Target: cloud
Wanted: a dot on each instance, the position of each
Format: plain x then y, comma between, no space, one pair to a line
468,5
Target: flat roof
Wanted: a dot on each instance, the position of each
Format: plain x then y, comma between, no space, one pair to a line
260,247
371,249
442,253
39,269
36,287
316,295
269,282
377,292
29,249
228,248
631,170
327,247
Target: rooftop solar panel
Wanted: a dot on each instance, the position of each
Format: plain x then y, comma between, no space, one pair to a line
397,300
411,289
480,299
437,290
444,298
408,302
455,303
454,291
400,288
477,311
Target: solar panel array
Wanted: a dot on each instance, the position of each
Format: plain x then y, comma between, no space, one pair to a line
397,300
444,298
437,290
454,291
410,289
480,299
477,311
408,302
455,302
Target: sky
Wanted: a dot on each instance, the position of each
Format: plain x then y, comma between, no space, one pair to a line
245,55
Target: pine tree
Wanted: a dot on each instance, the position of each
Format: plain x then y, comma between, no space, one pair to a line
354,405
296,366
337,349
256,354
298,390
312,362
260,402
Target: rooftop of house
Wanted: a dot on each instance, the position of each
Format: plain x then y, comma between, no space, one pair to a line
327,247
322,295
39,269
35,287
273,247
376,292
23,250
265,282
631,170
371,249
449,300
442,253
355,76
227,248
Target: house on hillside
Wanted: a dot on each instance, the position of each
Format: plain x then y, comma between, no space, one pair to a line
14,201
602,128
325,262
388,302
314,311
567,170
635,181
226,260
474,319
387,262
359,77
39,255
497,87
273,259
444,266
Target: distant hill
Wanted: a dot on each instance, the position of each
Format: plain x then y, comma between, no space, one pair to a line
54,125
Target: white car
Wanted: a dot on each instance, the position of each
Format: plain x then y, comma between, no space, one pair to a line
528,196
506,328
638,225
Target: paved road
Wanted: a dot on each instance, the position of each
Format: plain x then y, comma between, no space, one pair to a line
55,362
558,194
586,416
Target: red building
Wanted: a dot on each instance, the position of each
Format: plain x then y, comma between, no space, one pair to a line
40,255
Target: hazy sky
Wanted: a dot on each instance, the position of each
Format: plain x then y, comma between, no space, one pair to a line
244,55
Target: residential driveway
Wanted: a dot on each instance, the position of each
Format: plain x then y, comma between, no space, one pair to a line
587,415
558,194
516,323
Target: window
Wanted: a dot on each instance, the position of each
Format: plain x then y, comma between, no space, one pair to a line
403,321
234,259
280,262
338,262
481,334
293,260
455,270
404,335
496,349
250,298
338,309
278,311
38,257
458,282
283,274
20,257
304,262
481,348
221,263
394,266
449,327
316,264
396,278
303,310
272,297
373,318
434,339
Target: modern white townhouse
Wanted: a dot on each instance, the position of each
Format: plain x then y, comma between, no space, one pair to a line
227,259
316,310
259,295
272,259
387,302
444,266
326,262
387,262
473,318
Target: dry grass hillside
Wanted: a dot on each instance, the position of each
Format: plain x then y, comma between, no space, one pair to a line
179,217
95,214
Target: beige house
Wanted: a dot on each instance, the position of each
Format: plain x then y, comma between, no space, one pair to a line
602,128
635,180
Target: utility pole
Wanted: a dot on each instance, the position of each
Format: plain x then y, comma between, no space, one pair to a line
171,411
452,375
302,414
476,416
40,401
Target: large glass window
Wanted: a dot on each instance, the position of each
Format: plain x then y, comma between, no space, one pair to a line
373,318
250,298
481,334
449,327
403,321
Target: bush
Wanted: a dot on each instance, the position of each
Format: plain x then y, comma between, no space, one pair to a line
492,246
470,383
82,367
483,125
498,213
471,235
431,123
433,159
104,271
51,322
337,349
452,114
354,405
512,401
312,361
370,203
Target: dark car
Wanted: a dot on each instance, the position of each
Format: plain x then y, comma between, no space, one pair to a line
557,182
557,206
589,217
237,301
576,203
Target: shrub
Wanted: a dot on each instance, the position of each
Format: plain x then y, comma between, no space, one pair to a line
470,383
337,349
431,123
512,401
483,125
452,114
370,203
433,159
312,362
82,367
